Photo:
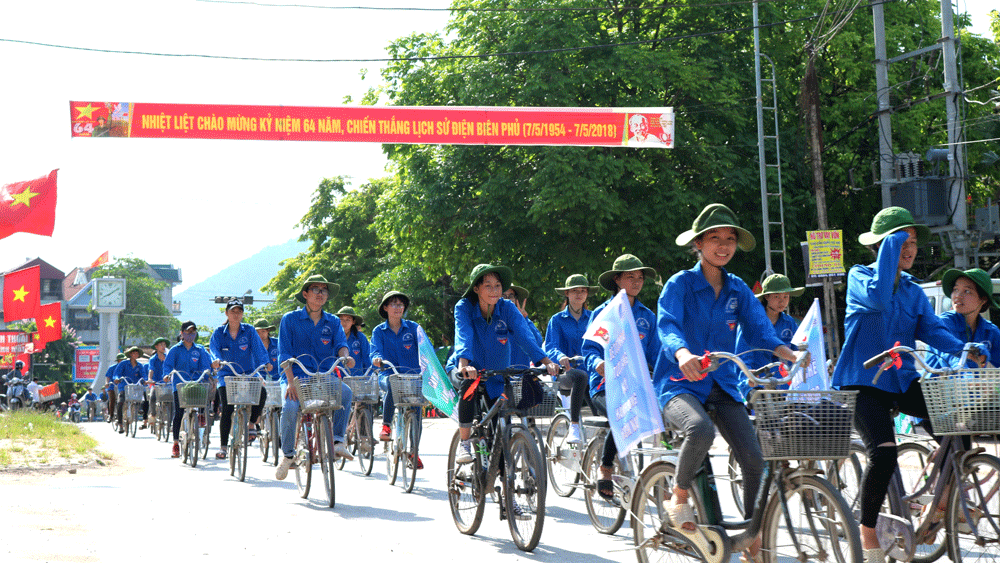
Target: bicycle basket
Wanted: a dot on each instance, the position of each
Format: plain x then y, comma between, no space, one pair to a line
800,425
164,393
192,395
365,389
318,393
243,389
544,408
964,403
407,390
134,392
274,397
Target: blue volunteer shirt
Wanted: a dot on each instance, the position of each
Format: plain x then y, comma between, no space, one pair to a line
272,354
154,368
986,332
360,349
518,357
400,348
488,344
246,350
784,328
564,334
593,353
315,344
127,373
690,316
880,313
192,362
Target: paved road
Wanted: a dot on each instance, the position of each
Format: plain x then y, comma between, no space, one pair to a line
146,506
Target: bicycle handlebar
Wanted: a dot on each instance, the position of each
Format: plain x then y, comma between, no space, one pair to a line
752,374
180,376
234,366
888,357
290,361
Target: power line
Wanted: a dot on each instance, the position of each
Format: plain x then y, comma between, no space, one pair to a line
408,59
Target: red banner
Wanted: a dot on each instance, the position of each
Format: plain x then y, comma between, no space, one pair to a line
86,363
591,127
12,345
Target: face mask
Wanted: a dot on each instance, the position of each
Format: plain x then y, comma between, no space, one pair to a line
189,336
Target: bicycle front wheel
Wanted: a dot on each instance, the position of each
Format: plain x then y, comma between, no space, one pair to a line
264,436
465,491
303,458
275,436
350,440
561,478
607,517
193,439
411,427
365,442
327,463
818,524
973,518
392,455
127,420
912,458
524,490
649,516
243,446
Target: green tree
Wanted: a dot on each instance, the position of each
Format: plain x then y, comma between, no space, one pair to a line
145,316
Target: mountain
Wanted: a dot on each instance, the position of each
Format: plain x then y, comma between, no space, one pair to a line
198,301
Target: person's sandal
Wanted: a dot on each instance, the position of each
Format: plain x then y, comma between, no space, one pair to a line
606,489
681,514
221,454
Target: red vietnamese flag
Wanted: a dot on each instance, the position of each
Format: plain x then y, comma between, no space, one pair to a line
29,207
101,260
49,321
20,294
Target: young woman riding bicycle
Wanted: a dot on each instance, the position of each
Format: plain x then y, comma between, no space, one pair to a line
774,295
486,327
700,309
884,306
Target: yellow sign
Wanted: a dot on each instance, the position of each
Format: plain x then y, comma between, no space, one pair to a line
826,253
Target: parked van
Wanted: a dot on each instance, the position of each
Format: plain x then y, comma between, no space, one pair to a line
941,302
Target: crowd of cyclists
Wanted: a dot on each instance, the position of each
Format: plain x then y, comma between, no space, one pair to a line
704,308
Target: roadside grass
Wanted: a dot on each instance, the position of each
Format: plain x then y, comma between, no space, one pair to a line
29,438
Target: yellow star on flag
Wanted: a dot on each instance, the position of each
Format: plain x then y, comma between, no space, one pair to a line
24,198
19,294
86,111
50,322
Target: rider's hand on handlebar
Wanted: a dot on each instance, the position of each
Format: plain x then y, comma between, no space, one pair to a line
690,365
565,363
468,372
377,362
348,362
215,364
551,367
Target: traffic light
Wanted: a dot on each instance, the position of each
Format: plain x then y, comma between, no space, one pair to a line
246,299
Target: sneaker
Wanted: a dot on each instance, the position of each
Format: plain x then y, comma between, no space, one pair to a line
566,401
874,555
176,451
573,436
340,450
282,470
420,464
386,434
464,453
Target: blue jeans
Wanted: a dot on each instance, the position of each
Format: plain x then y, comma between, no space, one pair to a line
290,414
388,405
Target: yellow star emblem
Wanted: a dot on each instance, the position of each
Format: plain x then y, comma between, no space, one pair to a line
87,111
20,294
24,198
50,322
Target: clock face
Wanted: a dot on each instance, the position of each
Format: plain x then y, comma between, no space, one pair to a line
110,294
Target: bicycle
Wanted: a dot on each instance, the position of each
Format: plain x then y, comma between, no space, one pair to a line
497,439
319,395
799,514
359,427
243,392
960,402
269,437
193,397
564,460
402,449
134,393
164,396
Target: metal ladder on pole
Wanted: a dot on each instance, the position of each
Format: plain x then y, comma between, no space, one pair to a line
769,161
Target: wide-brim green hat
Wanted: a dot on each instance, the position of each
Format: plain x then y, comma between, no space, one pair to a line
890,220
502,272
978,277
133,349
777,283
624,263
163,340
520,292
388,297
264,324
575,281
120,356
333,288
359,321
717,216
